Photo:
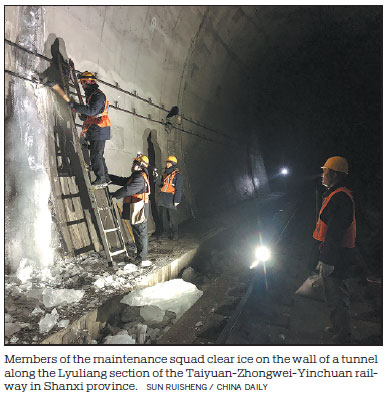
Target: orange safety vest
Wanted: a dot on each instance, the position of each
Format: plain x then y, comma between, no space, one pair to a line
321,227
101,120
167,182
139,196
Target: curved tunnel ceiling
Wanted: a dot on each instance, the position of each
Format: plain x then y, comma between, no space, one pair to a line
274,85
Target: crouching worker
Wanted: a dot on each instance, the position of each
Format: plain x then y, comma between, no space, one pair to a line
170,197
135,191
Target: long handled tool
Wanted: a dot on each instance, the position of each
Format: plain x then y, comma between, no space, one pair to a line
55,86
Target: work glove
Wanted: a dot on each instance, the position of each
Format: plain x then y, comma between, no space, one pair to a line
82,117
155,173
325,270
176,204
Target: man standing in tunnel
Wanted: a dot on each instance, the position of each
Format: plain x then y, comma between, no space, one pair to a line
336,232
135,191
170,197
96,125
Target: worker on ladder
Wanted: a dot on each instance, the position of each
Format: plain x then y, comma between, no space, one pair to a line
96,125
135,191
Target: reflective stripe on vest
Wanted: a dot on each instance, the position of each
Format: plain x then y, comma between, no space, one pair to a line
139,196
167,182
321,227
101,120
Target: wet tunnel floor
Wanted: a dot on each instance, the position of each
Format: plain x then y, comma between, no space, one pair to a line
273,314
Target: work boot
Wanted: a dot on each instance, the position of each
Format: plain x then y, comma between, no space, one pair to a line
174,236
99,182
108,180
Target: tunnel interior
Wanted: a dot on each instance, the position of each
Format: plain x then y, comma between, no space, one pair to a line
234,92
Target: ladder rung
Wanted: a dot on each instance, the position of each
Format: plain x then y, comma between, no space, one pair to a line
110,230
105,208
117,252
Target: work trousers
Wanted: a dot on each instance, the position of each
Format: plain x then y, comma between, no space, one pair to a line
98,164
168,219
141,240
337,298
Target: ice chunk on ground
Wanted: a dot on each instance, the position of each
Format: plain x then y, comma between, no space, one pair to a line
153,333
11,328
8,318
152,314
120,338
175,295
57,297
48,321
37,311
63,323
25,270
141,333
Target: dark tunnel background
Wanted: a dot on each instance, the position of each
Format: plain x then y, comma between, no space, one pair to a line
275,85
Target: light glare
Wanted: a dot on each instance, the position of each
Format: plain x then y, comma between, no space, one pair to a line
262,253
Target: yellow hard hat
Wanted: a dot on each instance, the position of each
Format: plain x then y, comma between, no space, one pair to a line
172,158
87,76
142,160
337,163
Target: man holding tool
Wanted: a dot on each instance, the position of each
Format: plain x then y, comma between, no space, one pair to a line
96,125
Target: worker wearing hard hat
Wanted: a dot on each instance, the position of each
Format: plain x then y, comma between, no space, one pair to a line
135,191
336,232
171,188
96,125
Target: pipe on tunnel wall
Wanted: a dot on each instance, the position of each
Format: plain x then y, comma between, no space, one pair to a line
175,55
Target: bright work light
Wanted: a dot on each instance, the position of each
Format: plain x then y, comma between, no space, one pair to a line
284,171
262,254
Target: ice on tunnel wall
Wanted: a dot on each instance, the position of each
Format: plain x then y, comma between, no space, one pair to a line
28,221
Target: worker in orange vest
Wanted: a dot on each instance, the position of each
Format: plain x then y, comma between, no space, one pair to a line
135,191
171,188
336,232
96,125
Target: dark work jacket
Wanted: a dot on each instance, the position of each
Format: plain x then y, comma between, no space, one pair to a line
338,215
136,185
94,106
167,199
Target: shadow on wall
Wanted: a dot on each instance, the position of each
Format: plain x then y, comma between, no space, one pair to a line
72,204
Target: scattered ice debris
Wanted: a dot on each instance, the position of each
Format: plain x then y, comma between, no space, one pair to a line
63,323
11,328
152,314
48,321
141,333
154,333
175,295
58,297
14,340
25,270
121,338
37,311
111,281
199,324
8,318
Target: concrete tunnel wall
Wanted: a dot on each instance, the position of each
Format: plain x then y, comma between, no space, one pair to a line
187,56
